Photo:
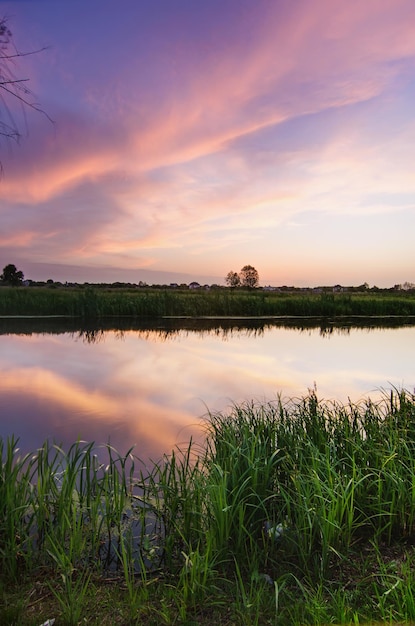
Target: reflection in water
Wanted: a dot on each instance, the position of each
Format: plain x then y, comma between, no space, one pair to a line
167,328
149,384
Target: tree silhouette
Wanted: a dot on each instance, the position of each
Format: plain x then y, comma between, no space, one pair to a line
11,276
249,276
232,279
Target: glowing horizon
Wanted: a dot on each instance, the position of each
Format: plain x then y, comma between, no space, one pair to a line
191,139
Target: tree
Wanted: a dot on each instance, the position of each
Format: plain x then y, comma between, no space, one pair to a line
232,279
249,276
13,90
11,276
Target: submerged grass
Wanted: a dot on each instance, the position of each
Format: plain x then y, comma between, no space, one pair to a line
293,512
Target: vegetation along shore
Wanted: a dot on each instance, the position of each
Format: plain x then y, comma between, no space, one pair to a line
94,302
297,512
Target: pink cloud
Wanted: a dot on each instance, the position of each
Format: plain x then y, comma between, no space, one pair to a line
310,48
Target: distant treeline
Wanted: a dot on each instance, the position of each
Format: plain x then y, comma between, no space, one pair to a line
96,303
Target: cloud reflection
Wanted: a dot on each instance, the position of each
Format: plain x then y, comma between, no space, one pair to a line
151,389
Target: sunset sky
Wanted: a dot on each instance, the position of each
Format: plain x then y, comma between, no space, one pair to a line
192,137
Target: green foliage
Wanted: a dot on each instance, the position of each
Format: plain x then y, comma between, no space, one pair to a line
95,303
301,511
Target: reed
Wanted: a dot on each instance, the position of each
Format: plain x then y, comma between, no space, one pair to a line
15,498
299,511
95,302
71,591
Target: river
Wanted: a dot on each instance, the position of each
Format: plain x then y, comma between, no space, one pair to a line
151,385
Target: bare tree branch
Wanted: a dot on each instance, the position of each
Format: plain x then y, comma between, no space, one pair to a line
18,54
12,88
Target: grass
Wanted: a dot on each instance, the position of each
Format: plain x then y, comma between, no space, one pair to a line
99,302
292,513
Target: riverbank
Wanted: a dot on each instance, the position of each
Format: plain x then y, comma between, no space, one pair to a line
299,511
94,303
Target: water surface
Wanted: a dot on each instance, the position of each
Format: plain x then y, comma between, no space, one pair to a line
151,386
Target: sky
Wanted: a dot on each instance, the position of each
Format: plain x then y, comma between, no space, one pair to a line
190,138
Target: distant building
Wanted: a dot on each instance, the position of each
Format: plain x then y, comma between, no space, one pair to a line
194,285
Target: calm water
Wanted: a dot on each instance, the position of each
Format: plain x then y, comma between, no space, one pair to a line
151,387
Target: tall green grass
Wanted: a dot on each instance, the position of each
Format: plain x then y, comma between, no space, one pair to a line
300,510
94,303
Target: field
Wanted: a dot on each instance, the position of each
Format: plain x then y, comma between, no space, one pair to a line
100,302
298,512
